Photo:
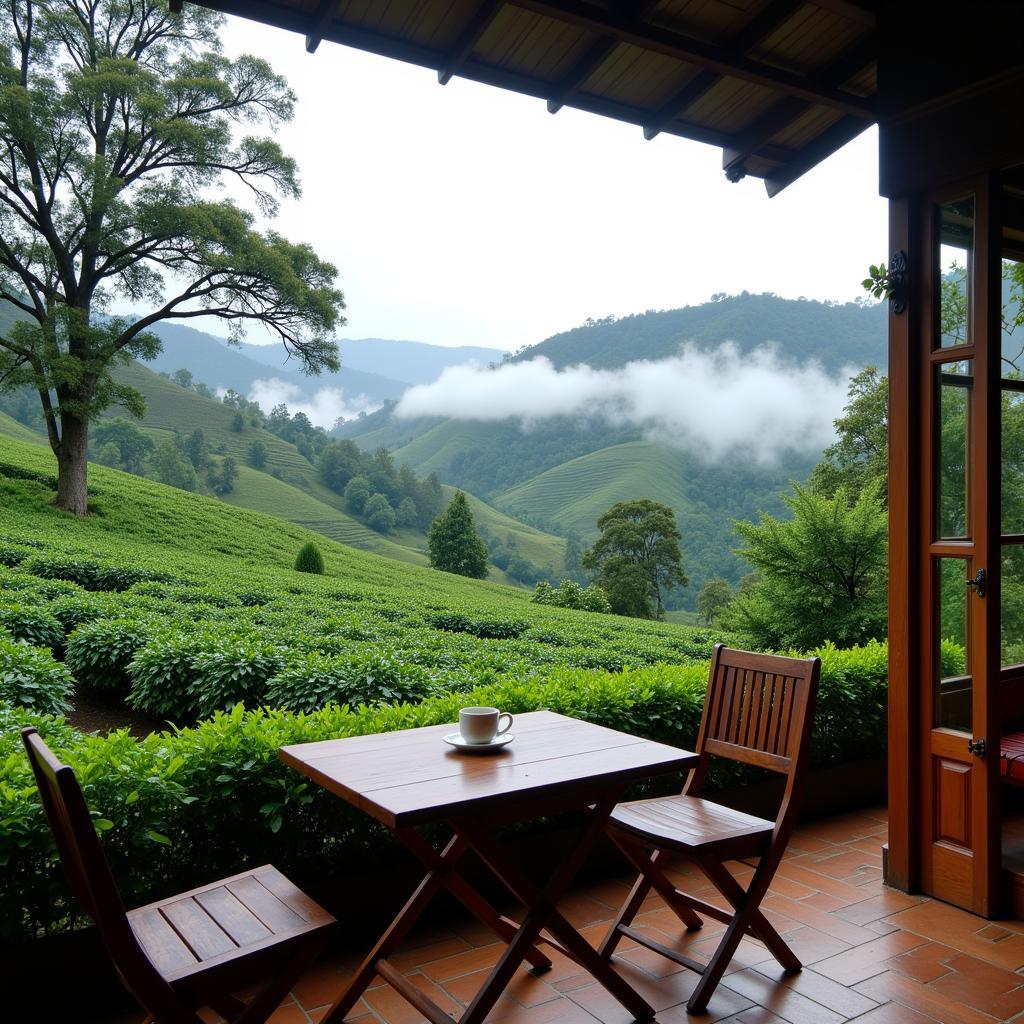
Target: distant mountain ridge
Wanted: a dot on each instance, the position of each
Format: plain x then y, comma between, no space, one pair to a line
835,335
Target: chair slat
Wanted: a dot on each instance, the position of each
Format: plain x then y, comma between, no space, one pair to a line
237,920
162,943
197,929
258,899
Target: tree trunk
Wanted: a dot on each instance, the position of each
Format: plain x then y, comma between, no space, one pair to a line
72,465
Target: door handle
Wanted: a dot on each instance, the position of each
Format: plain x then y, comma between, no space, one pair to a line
977,748
978,582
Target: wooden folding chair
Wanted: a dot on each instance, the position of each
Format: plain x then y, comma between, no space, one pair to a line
759,711
254,931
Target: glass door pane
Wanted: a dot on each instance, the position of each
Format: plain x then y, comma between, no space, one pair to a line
953,683
954,386
956,249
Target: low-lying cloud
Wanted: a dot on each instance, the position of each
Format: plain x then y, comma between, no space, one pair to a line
719,403
324,408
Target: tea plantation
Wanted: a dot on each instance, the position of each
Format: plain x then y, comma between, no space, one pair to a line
188,609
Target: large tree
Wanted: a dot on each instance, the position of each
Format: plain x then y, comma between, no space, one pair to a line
637,556
120,124
454,544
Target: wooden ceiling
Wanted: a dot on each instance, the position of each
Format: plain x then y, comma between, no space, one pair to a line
779,85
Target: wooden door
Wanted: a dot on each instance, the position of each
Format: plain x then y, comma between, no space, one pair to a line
959,655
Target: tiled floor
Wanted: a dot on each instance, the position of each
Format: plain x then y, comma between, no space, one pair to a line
871,954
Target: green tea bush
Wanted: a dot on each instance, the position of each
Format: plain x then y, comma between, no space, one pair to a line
74,610
98,653
161,676
32,679
90,574
309,559
12,556
570,594
352,679
234,671
486,629
220,797
31,623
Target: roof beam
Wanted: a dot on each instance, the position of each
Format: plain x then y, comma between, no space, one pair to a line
813,153
595,56
787,110
468,38
695,51
755,32
318,23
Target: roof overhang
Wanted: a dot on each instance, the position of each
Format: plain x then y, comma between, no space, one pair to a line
778,85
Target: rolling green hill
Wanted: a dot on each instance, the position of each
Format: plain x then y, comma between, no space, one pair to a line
706,498
836,335
10,427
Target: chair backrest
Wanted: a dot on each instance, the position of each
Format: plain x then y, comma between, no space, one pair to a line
759,711
83,860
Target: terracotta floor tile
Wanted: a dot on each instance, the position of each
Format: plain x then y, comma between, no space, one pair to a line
824,901
960,930
987,988
827,923
319,986
466,962
407,959
288,1014
895,987
862,962
925,963
883,904
844,1001
562,1011
786,1002
894,1013
809,945
394,1009
805,872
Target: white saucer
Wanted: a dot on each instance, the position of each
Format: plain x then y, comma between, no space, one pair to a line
455,739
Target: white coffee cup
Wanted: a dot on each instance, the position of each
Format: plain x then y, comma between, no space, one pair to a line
480,725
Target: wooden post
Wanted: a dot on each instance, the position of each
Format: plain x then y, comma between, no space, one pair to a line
903,863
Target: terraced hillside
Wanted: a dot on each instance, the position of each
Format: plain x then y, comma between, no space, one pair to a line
705,497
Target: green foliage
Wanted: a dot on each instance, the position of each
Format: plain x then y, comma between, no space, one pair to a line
570,594
230,671
860,456
821,575
380,516
161,676
637,556
222,479
223,799
31,678
354,679
357,494
715,596
32,624
309,559
169,466
98,653
257,454
131,446
454,544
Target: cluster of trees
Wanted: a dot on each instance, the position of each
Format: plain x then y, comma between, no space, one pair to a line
185,460
378,491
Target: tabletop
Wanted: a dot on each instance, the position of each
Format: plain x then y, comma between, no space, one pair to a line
411,776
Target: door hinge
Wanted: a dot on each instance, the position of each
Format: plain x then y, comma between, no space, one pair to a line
977,748
978,582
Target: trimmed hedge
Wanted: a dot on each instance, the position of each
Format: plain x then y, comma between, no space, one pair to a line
178,808
30,678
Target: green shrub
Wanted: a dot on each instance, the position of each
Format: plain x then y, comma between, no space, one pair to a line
98,653
486,629
234,671
161,676
74,610
570,594
30,678
32,624
352,679
90,574
309,559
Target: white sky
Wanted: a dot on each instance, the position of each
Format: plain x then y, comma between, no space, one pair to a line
467,215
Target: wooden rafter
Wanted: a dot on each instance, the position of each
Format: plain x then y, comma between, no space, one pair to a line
842,132
468,38
319,22
759,28
721,59
783,113
595,56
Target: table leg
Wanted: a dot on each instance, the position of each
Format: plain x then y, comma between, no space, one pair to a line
467,895
397,930
542,913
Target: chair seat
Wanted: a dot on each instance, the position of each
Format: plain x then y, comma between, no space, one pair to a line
1011,758
688,823
225,926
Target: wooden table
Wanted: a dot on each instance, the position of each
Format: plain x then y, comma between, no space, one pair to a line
412,778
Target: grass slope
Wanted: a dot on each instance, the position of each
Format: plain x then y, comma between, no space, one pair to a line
12,428
434,450
576,493
299,495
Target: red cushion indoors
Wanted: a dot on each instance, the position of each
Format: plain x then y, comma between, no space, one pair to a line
1011,757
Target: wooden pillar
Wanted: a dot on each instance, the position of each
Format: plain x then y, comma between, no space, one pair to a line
903,862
